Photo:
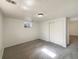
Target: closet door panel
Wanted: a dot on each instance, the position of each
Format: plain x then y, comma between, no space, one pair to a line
52,32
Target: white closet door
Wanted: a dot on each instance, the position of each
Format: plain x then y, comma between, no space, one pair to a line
58,32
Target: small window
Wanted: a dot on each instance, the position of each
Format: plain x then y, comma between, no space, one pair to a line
27,24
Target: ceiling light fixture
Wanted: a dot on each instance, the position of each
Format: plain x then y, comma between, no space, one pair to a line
24,4
11,1
40,14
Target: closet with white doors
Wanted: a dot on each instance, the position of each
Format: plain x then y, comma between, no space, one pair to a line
55,31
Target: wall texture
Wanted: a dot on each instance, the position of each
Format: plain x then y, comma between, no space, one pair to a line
15,33
1,35
73,27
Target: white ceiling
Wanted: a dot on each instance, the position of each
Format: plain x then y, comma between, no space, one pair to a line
50,8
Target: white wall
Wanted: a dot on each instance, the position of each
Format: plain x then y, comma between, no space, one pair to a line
73,26
1,35
15,33
44,30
